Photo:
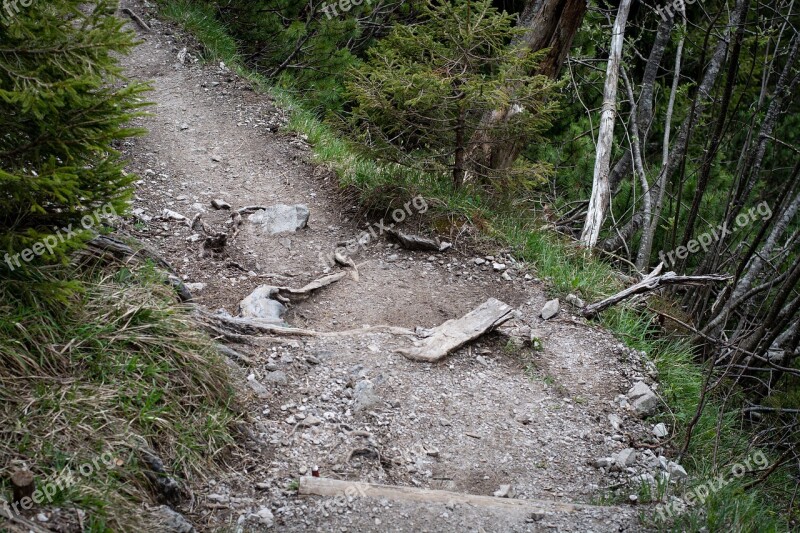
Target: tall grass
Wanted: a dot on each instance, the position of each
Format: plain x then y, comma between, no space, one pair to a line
102,360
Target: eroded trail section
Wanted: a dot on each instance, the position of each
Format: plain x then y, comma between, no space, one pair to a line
497,417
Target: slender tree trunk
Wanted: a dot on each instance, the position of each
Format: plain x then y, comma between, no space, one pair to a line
551,24
601,191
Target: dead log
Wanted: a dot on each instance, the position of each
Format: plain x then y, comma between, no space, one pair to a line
454,334
318,486
649,284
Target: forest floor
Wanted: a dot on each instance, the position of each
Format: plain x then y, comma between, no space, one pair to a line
496,412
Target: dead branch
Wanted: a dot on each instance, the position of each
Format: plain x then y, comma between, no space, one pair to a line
649,284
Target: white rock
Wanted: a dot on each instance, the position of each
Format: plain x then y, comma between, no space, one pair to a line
281,218
551,309
498,267
676,471
660,430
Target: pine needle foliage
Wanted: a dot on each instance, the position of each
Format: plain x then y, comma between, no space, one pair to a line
421,94
63,104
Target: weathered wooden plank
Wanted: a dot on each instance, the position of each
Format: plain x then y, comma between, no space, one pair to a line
317,486
454,334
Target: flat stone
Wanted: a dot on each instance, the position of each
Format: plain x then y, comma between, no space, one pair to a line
281,218
278,378
365,397
216,203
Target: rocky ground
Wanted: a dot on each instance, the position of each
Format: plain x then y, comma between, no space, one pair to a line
544,410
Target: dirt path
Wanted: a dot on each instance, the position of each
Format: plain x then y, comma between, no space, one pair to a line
491,414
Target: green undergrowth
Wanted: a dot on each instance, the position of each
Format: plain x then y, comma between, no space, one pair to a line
719,440
97,365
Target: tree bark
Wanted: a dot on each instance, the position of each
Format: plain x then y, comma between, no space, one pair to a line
551,24
601,192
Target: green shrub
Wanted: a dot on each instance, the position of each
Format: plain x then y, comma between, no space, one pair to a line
63,103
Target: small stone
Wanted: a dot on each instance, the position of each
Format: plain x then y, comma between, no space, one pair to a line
642,399
550,309
260,390
524,419
444,246
216,203
265,517
660,430
195,287
172,215
575,301
392,258
184,126
505,491
498,267
676,471
506,276
480,261
281,218
625,458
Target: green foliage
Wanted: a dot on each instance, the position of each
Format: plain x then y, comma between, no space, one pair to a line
118,368
63,102
424,89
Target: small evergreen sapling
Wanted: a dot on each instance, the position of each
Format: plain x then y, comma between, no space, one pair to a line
420,96
63,104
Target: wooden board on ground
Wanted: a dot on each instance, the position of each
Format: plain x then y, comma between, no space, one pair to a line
454,334
317,486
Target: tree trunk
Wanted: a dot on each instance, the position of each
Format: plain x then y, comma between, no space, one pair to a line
601,192
551,24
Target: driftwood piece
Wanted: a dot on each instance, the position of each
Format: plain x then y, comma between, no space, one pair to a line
415,242
649,284
454,334
319,486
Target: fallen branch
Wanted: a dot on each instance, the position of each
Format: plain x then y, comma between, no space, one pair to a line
454,334
649,284
318,486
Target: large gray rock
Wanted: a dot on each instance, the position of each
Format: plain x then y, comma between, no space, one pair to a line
281,218
551,309
642,399
261,304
